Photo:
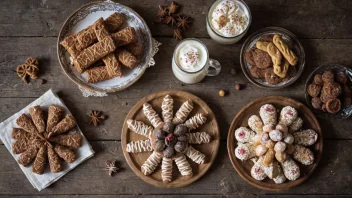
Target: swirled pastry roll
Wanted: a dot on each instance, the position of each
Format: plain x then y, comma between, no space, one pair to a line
152,116
139,146
166,169
182,114
195,155
196,121
183,165
167,108
140,128
151,163
198,138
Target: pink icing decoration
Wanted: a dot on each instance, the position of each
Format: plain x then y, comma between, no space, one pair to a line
241,134
241,151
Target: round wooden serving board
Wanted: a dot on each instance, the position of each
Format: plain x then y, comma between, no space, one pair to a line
244,167
135,161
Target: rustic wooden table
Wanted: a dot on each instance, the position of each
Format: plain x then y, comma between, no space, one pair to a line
30,28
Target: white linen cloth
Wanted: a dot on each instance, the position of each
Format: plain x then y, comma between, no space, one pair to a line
42,181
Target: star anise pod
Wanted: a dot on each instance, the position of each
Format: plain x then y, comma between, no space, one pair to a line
162,11
96,117
173,8
178,34
170,19
110,166
182,22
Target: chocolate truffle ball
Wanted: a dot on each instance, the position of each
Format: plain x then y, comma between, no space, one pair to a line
160,134
159,145
180,129
169,151
168,127
332,89
182,138
181,146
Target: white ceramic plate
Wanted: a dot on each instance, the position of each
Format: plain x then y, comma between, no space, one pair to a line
87,15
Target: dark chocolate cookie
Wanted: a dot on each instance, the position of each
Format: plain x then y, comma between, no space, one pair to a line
318,79
272,78
267,38
314,90
249,57
333,105
328,76
316,103
258,73
332,89
262,59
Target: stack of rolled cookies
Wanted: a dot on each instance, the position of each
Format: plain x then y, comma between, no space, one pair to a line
102,41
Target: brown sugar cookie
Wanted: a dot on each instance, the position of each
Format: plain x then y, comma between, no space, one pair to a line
318,79
267,38
332,89
249,57
333,105
271,77
316,103
323,107
258,73
328,76
262,59
314,90
342,78
323,97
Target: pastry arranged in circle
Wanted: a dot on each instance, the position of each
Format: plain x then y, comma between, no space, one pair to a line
169,139
276,144
330,92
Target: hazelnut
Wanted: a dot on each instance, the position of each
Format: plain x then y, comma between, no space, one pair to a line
221,93
238,87
233,71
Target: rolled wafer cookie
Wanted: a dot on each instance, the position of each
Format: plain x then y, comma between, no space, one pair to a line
66,124
127,58
125,36
97,74
28,156
40,161
72,140
113,67
93,53
114,21
285,50
26,123
65,153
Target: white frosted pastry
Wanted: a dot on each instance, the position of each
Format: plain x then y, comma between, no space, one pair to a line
267,128
271,171
244,151
257,171
289,139
291,169
280,147
282,128
167,108
303,155
244,135
260,150
267,113
280,177
255,123
306,137
196,121
288,115
296,125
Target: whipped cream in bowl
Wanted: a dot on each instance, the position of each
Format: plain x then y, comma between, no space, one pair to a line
228,21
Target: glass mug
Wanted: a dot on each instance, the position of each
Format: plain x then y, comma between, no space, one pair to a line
210,67
216,35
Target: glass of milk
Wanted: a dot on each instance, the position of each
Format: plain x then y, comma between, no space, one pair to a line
191,62
228,21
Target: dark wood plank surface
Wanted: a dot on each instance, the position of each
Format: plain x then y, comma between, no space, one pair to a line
30,28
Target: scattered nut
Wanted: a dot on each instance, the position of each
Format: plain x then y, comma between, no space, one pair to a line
238,87
233,71
42,81
221,93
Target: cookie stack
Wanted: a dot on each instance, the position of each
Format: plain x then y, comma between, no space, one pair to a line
330,92
272,60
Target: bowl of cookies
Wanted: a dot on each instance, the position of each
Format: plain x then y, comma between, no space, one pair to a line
328,91
272,58
104,47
